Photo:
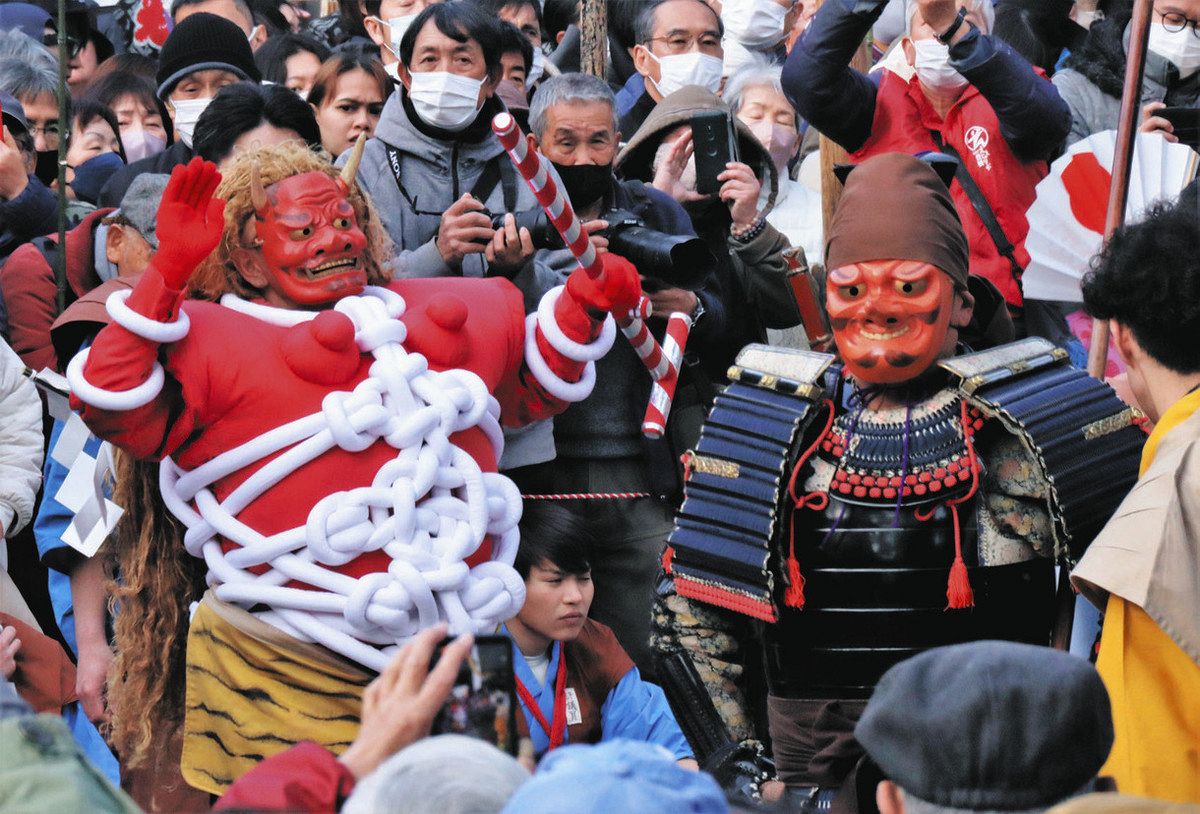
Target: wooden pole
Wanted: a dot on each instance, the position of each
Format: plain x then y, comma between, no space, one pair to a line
593,37
64,129
1118,193
832,153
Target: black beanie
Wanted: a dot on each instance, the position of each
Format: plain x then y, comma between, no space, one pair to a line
204,42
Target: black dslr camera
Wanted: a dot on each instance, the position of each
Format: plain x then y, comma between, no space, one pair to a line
664,261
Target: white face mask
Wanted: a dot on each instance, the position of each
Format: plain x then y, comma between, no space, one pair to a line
253,32
1180,48
444,99
392,69
396,27
933,67
537,69
780,142
754,23
187,113
1086,18
680,70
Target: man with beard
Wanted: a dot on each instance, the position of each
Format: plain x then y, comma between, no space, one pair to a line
599,441
896,499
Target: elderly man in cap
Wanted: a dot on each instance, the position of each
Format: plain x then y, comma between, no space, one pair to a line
909,511
986,726
27,207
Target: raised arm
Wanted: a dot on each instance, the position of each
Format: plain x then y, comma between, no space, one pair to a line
817,77
571,329
118,384
1034,118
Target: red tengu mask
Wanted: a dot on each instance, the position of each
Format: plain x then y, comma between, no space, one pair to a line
311,244
889,318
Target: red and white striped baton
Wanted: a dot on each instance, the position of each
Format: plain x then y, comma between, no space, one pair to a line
533,167
662,392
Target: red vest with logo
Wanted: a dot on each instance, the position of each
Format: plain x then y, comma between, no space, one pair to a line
905,121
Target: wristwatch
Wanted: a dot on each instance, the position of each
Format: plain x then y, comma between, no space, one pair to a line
698,311
947,35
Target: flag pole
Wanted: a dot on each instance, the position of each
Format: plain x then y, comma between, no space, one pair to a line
64,129
1127,125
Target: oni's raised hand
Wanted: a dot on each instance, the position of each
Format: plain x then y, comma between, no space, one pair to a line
190,221
616,291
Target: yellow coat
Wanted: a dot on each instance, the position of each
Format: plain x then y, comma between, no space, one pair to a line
1144,570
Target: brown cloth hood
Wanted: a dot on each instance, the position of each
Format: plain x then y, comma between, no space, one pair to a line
636,160
896,207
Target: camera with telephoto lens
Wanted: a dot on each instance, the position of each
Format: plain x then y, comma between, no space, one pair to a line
665,261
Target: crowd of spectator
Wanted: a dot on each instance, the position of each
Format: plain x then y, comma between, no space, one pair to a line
1003,86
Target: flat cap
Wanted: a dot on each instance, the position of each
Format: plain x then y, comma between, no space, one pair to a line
989,726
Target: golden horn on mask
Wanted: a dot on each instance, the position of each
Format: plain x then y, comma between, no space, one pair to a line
351,169
258,195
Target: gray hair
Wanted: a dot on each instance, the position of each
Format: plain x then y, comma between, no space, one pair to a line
27,81
16,44
757,73
568,88
449,774
985,8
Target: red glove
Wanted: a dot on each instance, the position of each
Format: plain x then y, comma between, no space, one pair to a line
616,291
190,221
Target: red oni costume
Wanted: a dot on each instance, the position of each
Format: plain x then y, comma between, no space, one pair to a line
338,466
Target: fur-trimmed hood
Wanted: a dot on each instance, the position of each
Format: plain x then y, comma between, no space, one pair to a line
636,160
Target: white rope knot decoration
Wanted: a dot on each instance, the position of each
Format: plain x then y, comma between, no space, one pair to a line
428,509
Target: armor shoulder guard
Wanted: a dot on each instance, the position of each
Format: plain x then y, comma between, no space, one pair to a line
736,480
1086,441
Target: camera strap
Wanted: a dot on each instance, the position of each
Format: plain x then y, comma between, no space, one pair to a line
981,206
498,170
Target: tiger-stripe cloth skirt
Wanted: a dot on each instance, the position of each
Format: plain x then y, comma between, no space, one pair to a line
253,691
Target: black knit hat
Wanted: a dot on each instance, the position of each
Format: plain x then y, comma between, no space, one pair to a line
204,42
992,726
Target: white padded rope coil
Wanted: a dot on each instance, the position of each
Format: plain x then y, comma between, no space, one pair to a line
544,319
428,509
138,325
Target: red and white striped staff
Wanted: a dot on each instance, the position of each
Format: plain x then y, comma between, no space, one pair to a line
654,424
533,168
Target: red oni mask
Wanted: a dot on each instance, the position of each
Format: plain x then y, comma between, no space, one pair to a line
889,318
311,243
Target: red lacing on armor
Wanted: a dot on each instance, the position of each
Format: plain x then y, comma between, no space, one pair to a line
794,595
756,608
958,587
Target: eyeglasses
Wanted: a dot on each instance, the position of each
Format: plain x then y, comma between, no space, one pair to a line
1175,22
50,131
709,43
74,44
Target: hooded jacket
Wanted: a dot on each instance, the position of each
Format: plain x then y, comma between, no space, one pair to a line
20,444
1006,126
1091,79
29,289
753,282
436,168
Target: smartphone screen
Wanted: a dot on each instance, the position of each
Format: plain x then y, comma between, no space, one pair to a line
1186,121
483,702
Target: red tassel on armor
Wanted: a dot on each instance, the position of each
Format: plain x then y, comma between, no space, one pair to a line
958,587
794,595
